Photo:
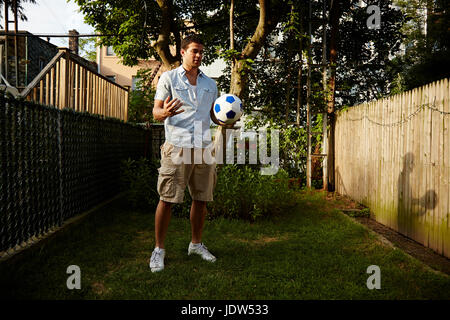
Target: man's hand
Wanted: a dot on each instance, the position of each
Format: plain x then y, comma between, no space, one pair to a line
229,126
170,107
214,119
167,108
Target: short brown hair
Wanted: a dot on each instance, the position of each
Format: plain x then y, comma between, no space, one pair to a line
189,39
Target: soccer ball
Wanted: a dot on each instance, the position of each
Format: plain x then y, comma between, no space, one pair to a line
228,108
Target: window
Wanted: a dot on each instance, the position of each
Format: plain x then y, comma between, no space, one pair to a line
111,78
134,81
110,51
41,63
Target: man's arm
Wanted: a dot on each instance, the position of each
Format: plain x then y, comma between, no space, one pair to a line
162,107
213,116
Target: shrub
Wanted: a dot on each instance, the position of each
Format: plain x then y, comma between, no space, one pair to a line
241,191
139,179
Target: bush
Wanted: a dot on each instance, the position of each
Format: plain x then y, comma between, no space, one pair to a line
139,179
241,191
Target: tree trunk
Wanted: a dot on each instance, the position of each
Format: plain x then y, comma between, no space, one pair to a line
231,26
429,22
300,69
289,58
239,79
334,33
239,72
162,44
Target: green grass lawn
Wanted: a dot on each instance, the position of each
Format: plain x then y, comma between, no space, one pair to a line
311,252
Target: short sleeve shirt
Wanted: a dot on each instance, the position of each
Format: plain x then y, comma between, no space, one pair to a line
191,127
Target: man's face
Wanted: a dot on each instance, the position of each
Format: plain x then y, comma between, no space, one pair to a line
193,54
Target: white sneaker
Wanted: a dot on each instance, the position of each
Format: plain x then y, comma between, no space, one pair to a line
157,260
202,250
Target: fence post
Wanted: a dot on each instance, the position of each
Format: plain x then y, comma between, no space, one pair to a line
61,202
125,115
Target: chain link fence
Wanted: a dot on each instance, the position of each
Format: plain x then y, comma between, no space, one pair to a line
56,164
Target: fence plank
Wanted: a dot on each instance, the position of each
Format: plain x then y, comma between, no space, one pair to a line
47,88
62,84
434,154
76,86
413,171
395,157
446,172
439,168
72,88
89,99
391,157
417,228
41,91
55,94
126,98
94,94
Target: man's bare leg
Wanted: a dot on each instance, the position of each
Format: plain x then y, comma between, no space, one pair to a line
162,219
197,217
198,214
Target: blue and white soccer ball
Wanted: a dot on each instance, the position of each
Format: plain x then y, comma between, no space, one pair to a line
228,108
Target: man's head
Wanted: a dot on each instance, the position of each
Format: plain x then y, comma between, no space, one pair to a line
192,51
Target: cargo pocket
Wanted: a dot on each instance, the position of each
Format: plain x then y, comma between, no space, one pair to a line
166,186
202,178
215,179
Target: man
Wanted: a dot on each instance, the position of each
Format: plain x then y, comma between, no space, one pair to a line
189,87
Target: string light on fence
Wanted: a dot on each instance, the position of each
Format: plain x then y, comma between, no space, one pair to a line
431,106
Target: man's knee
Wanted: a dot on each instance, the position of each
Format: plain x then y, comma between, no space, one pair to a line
165,204
199,203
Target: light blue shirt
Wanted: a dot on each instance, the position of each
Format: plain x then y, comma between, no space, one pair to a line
179,129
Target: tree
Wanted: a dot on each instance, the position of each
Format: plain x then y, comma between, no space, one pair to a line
425,56
142,98
267,22
358,56
20,12
147,29
88,48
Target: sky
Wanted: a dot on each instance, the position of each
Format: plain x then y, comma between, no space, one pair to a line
54,17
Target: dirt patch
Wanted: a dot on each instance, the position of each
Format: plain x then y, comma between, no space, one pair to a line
98,288
343,202
263,240
411,247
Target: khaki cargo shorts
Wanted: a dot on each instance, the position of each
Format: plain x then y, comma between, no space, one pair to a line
174,176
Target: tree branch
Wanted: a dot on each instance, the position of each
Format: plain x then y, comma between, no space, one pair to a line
262,30
162,44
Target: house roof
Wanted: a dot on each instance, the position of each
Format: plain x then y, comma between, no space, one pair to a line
23,33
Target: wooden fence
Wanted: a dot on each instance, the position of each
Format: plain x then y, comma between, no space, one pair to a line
393,155
66,83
